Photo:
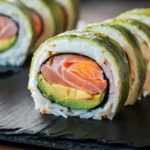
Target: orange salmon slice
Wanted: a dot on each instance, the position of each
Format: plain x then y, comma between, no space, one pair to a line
64,17
75,71
37,23
8,28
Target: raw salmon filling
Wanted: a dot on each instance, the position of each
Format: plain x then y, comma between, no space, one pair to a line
74,71
8,33
64,17
37,21
8,28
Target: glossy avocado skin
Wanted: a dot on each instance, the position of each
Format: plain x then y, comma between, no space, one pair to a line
50,92
6,44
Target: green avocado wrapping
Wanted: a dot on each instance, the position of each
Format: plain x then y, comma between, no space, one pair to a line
105,51
131,46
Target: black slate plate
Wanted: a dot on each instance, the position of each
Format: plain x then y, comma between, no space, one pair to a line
19,122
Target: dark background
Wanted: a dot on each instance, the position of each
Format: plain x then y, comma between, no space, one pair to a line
100,10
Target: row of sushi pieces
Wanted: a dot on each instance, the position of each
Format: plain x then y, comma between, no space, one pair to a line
25,24
95,71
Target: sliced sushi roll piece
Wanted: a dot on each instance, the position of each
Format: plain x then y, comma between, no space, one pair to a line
135,57
142,33
143,16
9,31
70,13
46,17
16,33
79,73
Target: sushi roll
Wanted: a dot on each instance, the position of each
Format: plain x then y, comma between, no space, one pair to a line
135,57
70,13
142,33
80,73
16,33
46,17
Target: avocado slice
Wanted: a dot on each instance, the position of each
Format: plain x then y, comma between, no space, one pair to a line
51,93
6,44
